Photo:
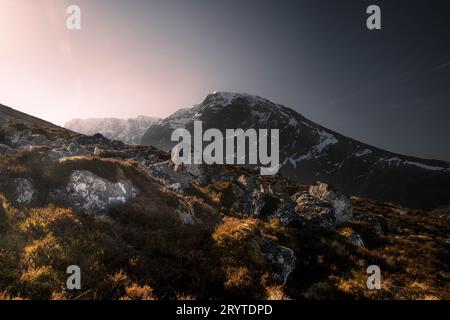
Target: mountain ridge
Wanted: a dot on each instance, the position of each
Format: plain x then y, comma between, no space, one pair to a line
128,131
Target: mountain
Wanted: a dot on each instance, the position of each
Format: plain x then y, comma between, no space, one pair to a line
12,115
141,228
128,131
310,152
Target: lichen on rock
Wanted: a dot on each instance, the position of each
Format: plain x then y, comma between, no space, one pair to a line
87,191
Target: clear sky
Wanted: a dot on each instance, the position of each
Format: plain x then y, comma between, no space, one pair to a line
389,88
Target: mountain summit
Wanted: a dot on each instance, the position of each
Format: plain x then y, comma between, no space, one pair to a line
310,152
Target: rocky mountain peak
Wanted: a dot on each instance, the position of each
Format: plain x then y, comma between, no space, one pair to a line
310,152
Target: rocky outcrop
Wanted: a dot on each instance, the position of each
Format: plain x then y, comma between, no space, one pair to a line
87,191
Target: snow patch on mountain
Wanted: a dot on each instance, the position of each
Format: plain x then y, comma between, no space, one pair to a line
396,161
326,140
362,153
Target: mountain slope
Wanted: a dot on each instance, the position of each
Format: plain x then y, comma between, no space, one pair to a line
310,152
128,131
9,114
140,227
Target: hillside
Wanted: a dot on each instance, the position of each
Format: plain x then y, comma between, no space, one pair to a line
141,228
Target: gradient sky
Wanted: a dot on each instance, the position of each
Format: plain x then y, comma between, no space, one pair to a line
388,88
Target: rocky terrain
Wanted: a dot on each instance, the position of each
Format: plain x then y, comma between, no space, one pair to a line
129,131
140,227
310,152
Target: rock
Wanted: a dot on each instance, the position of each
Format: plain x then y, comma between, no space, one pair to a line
25,192
341,203
310,210
76,149
38,139
4,149
201,174
176,187
186,218
352,237
254,196
58,144
87,191
371,223
57,154
281,258
165,173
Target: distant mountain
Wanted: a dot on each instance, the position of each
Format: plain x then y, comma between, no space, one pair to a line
310,152
128,131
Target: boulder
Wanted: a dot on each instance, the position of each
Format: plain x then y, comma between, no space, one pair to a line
281,258
87,191
310,210
168,175
341,203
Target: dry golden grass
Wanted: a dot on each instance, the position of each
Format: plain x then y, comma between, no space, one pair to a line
141,250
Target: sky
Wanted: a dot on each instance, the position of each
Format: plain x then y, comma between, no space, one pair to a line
389,88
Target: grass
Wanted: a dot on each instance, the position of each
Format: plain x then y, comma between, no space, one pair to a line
141,250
